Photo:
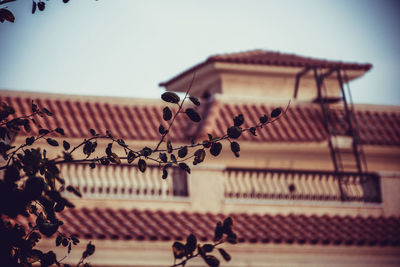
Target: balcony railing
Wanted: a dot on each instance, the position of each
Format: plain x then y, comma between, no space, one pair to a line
124,182
301,185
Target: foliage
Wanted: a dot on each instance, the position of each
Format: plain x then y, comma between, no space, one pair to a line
33,185
7,15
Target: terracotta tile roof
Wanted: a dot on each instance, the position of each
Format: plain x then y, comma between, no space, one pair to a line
290,229
264,57
303,123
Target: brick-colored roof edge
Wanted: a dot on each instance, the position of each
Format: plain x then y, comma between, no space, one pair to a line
272,58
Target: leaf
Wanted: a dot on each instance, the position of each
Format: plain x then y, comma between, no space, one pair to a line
146,151
224,254
92,132
216,149
200,155
211,261
173,158
169,146
29,140
92,165
41,5
238,120
59,240
73,190
161,129
232,238
45,110
131,157
218,232
208,248
184,167
264,119
52,142
34,106
234,132
163,157
170,97
227,225
43,131
235,147
60,131
90,248
6,14
66,145
33,7
193,115
195,100
167,114
116,158
178,249
253,130
165,174
191,244
142,165
183,152
276,112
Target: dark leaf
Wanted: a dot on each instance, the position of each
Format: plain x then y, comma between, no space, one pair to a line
65,1
232,238
169,146
238,120
191,244
224,254
74,191
33,9
200,155
6,14
60,131
34,106
116,158
27,127
41,6
165,174
104,161
173,158
52,142
195,100
208,248
161,129
235,147
92,132
182,152
218,232
206,143
92,165
163,157
276,112
90,248
59,240
131,157
66,145
216,149
69,247
146,151
253,131
193,115
227,225
170,97
211,261
29,140
184,167
45,110
234,132
43,131
108,149
142,165
65,242
178,249
167,114
264,119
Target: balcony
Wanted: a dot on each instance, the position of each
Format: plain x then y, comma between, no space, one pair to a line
301,185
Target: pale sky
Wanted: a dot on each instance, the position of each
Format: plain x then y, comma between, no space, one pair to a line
126,47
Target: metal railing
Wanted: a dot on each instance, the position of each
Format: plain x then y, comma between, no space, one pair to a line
123,182
301,185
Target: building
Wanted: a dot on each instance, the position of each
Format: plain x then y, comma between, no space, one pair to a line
318,187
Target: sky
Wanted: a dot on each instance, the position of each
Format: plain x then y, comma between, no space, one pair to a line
126,47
